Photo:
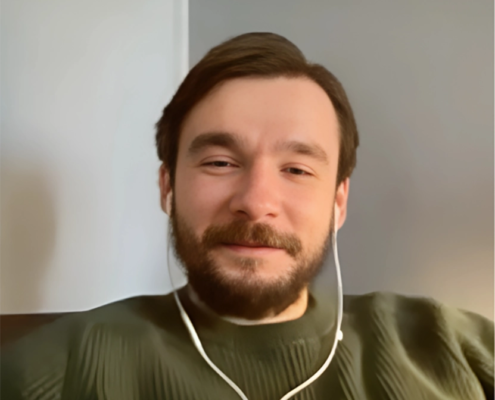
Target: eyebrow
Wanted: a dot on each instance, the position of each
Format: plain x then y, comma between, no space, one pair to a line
234,142
220,139
306,149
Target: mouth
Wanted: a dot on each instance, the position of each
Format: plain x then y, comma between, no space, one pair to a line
249,244
251,248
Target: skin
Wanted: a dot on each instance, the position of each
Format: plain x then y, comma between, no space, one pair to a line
258,177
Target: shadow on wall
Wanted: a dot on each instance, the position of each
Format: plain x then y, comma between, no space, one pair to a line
28,231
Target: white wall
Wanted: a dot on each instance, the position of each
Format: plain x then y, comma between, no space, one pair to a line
419,75
82,84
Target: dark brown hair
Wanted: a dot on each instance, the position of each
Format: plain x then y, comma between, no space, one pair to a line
265,55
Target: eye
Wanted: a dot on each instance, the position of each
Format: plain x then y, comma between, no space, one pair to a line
218,164
296,171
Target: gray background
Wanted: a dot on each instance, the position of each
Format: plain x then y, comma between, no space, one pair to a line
419,75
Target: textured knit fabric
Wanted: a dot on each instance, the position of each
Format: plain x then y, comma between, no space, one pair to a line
394,347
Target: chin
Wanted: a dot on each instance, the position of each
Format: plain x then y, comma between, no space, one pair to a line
251,269
257,278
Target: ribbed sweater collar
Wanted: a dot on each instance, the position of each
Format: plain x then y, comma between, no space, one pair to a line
316,323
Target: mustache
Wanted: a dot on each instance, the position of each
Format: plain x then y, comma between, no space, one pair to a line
239,231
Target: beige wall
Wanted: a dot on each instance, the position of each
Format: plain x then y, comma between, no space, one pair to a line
82,85
420,77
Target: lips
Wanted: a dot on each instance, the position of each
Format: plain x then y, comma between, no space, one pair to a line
251,249
250,244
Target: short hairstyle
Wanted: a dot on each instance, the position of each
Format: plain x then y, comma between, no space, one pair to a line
259,54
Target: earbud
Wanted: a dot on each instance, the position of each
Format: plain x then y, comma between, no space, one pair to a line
168,203
335,222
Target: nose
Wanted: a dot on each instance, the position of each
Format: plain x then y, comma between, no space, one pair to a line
257,195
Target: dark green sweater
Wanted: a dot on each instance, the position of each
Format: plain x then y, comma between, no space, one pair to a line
394,347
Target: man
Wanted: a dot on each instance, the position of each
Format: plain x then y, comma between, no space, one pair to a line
257,148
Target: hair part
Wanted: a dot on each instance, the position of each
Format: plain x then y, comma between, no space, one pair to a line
264,55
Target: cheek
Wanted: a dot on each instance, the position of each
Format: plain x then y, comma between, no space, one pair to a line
198,201
311,215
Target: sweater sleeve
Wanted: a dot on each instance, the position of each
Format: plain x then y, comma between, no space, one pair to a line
424,346
476,338
34,366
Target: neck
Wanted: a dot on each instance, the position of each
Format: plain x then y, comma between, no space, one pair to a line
294,311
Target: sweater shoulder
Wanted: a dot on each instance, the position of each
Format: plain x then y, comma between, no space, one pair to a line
390,305
413,313
413,317
131,314
132,319
76,346
428,334
42,359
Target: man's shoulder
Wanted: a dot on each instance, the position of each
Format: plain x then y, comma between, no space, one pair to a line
415,314
385,302
407,309
423,335
83,339
132,316
423,326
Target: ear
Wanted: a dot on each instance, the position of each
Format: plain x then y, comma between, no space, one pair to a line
165,188
341,196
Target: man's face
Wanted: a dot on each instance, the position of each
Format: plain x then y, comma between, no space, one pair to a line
254,193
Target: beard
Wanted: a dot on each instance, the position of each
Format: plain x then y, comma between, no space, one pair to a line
244,294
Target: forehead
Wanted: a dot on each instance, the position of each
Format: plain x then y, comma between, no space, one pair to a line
264,111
